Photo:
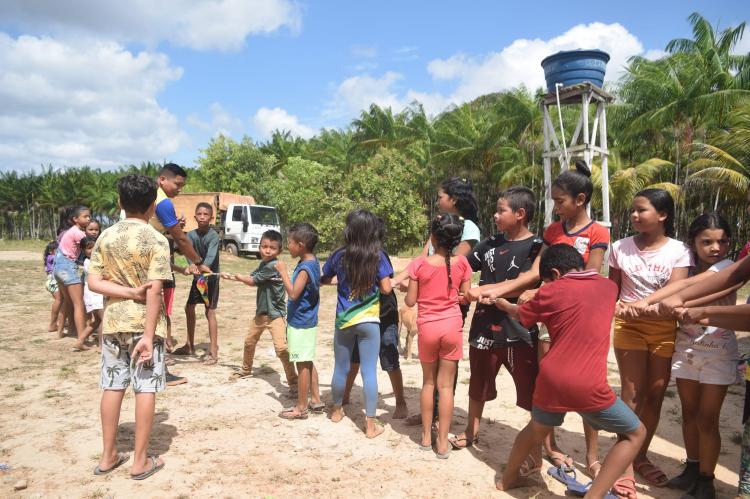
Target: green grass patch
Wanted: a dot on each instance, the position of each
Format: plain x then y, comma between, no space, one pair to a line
23,244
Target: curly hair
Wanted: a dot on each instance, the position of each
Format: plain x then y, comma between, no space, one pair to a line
447,229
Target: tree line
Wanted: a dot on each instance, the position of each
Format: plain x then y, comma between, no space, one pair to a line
681,122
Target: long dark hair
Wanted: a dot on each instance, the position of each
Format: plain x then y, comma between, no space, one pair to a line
447,229
662,201
461,190
50,249
711,220
575,182
362,249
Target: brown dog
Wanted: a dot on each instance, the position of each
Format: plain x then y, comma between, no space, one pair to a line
408,317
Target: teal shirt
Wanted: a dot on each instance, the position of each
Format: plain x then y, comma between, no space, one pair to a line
271,297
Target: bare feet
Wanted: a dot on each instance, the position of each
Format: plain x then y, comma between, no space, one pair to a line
373,428
516,484
184,350
337,414
594,469
401,412
80,347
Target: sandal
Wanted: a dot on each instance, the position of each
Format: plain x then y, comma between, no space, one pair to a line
565,462
317,408
291,413
210,360
155,466
456,442
183,350
122,458
651,473
527,469
625,487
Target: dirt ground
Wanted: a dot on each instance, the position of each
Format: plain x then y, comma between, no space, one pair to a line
222,439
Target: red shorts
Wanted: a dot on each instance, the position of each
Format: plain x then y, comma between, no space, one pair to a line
168,300
519,359
442,339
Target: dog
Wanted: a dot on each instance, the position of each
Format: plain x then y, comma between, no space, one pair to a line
407,316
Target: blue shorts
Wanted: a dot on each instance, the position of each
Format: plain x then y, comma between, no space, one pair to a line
388,348
66,270
617,418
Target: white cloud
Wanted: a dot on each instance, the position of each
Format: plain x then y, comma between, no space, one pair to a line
406,53
364,51
743,46
266,121
90,103
358,92
221,122
201,25
654,54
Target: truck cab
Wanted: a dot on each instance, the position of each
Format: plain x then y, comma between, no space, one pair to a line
244,224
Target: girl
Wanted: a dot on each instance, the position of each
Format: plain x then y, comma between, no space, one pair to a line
94,302
49,264
571,194
640,265
705,359
66,270
93,229
363,272
435,283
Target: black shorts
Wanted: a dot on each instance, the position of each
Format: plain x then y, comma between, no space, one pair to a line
195,297
519,359
389,358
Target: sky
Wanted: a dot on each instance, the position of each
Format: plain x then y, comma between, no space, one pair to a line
107,83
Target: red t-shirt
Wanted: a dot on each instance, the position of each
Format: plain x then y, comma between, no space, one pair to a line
588,238
744,251
434,301
577,310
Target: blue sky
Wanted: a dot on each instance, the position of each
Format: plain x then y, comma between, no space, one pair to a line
107,83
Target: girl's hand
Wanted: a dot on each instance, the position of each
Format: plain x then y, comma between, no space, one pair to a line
638,306
527,295
461,299
691,315
668,305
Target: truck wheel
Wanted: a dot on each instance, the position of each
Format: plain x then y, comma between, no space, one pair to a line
232,249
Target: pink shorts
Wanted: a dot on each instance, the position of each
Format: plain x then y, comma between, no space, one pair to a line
168,300
441,339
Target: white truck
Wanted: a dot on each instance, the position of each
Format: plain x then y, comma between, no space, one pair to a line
239,221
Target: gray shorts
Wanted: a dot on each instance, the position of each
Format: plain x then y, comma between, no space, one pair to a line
617,418
119,369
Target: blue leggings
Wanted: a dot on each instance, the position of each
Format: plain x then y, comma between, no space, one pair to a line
367,337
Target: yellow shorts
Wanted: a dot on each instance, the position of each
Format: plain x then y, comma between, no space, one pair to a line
655,336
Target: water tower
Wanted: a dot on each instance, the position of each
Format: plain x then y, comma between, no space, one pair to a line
575,78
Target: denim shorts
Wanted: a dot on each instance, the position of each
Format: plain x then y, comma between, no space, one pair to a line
389,360
66,270
617,418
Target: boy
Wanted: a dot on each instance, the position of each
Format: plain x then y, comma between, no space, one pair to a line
577,307
302,330
495,339
206,243
128,265
270,308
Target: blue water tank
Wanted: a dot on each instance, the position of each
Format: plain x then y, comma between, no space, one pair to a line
575,66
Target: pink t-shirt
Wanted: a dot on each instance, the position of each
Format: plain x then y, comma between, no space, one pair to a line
70,242
435,302
643,272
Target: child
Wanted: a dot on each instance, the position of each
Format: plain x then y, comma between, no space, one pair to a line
94,302
435,282
705,360
495,340
303,290
571,194
67,274
577,307
389,341
362,272
270,308
93,229
129,262
640,265
51,286
206,243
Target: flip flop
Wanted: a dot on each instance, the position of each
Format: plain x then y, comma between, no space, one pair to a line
626,483
122,458
455,442
443,455
155,466
288,413
651,473
425,447
566,477
317,408
559,461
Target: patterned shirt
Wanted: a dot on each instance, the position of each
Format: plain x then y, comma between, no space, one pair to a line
130,253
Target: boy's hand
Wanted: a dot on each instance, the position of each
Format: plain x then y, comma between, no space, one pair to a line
204,269
473,294
503,304
192,269
238,277
143,350
527,295
225,275
139,293
668,305
280,266
694,315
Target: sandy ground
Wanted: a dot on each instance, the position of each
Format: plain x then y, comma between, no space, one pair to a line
222,439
